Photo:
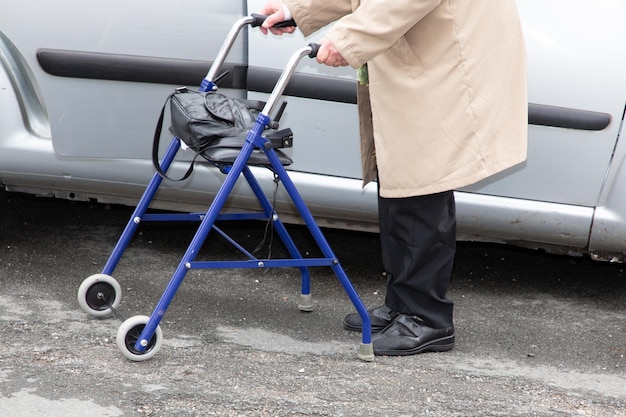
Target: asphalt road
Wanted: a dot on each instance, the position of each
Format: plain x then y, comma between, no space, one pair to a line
537,335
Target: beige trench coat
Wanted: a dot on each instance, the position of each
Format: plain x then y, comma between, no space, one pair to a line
447,101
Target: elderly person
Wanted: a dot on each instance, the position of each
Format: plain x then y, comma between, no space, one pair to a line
442,98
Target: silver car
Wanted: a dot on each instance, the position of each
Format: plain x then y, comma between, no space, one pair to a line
80,93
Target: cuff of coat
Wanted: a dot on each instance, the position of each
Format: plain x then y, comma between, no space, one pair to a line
299,14
286,12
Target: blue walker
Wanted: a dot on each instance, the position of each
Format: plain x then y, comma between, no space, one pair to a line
140,337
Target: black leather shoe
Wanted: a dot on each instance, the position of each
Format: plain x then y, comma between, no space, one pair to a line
380,318
408,335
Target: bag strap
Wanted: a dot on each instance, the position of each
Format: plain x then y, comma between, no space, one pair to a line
157,140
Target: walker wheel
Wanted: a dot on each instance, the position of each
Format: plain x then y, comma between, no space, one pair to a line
128,334
98,293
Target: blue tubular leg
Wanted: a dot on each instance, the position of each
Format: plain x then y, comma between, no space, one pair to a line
366,351
141,208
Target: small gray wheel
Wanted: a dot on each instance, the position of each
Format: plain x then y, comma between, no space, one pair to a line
98,293
128,334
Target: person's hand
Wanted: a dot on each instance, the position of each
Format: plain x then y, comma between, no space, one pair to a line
275,12
329,55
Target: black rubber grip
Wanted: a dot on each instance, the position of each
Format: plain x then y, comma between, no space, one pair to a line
258,19
314,48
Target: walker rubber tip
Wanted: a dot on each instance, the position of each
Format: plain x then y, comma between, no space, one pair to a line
366,352
306,303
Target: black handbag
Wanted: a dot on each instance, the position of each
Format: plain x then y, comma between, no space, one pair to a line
209,122
198,119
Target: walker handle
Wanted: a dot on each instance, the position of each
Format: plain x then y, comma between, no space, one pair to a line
254,20
311,51
314,48
258,19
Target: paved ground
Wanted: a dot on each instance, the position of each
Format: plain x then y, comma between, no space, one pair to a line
537,335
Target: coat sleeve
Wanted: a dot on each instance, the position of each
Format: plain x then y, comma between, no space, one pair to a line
312,15
375,26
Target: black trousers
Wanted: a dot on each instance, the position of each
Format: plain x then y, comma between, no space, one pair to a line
418,244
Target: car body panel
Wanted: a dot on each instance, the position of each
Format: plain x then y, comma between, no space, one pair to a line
102,92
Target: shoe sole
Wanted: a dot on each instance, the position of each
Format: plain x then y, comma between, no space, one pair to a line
439,345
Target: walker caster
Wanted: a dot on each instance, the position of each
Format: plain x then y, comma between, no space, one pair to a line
99,295
128,334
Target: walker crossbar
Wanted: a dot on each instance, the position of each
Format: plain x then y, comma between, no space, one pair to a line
145,333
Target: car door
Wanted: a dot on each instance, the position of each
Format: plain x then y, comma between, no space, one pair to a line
576,100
